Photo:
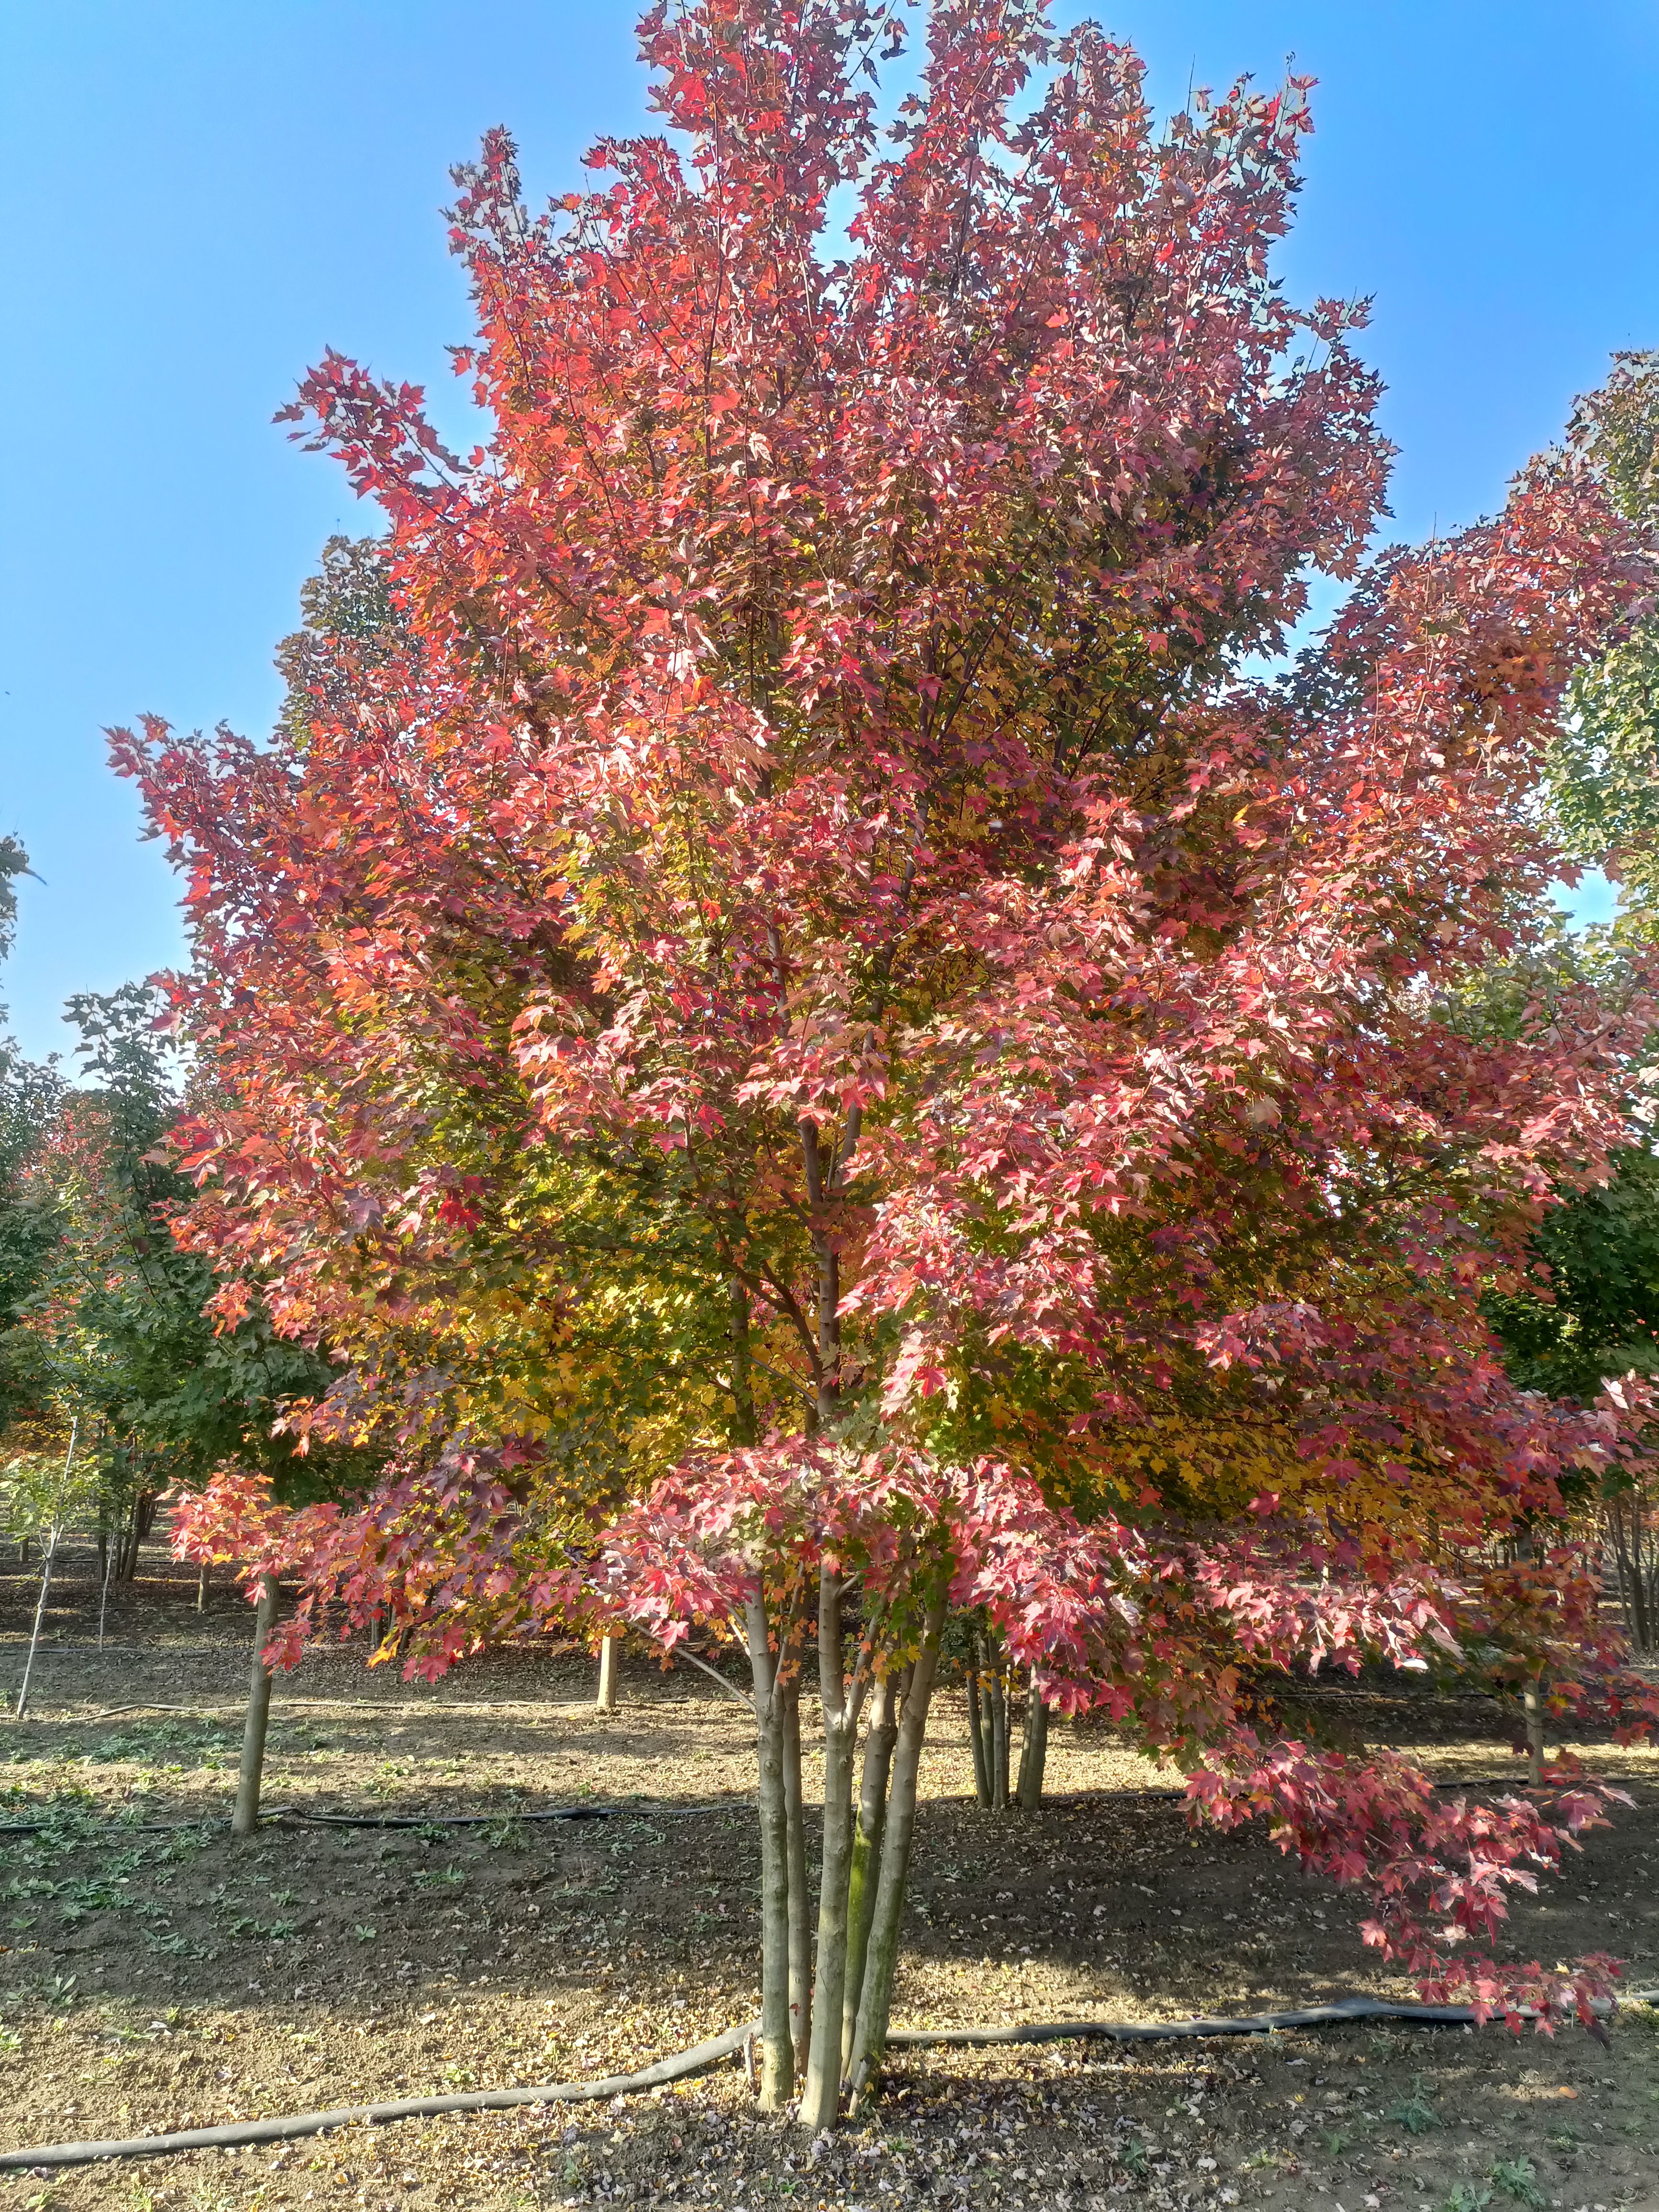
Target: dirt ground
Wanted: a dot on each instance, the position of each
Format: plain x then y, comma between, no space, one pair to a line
155,1975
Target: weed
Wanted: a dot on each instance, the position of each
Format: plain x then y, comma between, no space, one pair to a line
364,1933
265,1931
1415,2113
1467,2197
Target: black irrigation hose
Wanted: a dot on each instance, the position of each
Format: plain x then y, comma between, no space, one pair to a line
643,1811
237,2134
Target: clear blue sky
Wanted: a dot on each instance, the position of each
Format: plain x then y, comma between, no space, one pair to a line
201,195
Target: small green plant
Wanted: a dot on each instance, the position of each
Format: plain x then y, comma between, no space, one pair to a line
1134,2158
1467,2197
1519,2180
1415,2113
1565,2138
364,1933
10,2039
450,1877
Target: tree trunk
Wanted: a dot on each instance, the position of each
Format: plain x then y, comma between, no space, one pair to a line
821,2097
1034,1754
878,1741
800,1897
997,1698
876,1999
46,1570
777,2062
976,1731
1641,1613
39,1616
245,1820
103,1595
1532,1700
132,1537
606,1701
202,1588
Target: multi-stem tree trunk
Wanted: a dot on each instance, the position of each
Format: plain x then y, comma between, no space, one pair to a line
245,1817
777,2056
881,1963
990,1729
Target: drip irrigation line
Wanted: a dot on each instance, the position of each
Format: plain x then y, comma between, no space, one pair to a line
293,1815
236,2135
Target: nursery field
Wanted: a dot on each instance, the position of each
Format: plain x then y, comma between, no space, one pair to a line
154,1975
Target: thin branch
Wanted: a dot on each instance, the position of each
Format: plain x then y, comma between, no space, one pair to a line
715,1675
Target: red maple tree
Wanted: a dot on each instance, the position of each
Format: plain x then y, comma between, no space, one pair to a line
814,858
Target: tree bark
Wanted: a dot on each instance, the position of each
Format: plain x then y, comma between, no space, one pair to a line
777,2057
606,1700
1034,1753
202,1588
245,1820
876,1999
879,1739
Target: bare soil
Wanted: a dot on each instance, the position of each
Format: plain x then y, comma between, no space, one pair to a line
155,1975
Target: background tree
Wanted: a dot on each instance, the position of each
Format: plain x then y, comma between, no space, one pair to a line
29,1095
111,1329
